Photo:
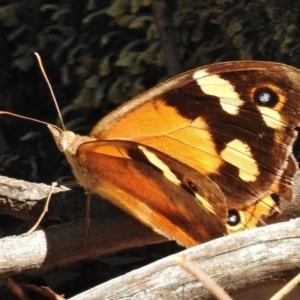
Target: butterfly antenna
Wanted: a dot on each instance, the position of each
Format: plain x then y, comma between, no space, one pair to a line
50,88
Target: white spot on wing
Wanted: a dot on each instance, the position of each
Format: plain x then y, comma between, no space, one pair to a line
239,155
172,177
271,117
212,84
205,204
161,165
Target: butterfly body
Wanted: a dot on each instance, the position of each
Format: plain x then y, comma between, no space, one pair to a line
121,172
229,126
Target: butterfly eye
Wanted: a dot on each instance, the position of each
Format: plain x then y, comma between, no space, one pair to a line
62,144
233,218
192,186
265,96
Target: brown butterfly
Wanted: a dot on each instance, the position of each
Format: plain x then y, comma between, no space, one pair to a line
199,155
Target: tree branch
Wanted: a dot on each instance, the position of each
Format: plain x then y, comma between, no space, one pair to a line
112,230
166,31
235,262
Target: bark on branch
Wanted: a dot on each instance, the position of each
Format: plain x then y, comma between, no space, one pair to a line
112,230
236,262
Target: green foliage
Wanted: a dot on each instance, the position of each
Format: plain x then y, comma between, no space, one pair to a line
117,41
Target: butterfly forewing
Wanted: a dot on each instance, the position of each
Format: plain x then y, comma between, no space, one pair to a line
234,122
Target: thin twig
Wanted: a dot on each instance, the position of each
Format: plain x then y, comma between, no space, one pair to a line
216,289
45,210
287,288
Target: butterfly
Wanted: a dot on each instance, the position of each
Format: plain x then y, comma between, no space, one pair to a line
198,156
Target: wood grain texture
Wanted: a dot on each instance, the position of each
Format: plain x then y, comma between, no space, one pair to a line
261,254
235,262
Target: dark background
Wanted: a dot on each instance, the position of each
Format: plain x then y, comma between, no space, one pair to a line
99,54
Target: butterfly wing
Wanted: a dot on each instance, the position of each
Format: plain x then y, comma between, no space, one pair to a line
160,191
222,130
234,122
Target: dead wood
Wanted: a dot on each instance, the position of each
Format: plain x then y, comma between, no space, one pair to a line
235,262
112,230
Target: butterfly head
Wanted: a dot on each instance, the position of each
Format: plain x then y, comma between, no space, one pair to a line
67,141
63,139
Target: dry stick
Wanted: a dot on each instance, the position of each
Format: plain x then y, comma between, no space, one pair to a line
167,35
216,289
44,291
17,289
287,288
262,222
87,218
45,210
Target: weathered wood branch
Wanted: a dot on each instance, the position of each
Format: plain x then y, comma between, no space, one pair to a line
235,262
112,230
